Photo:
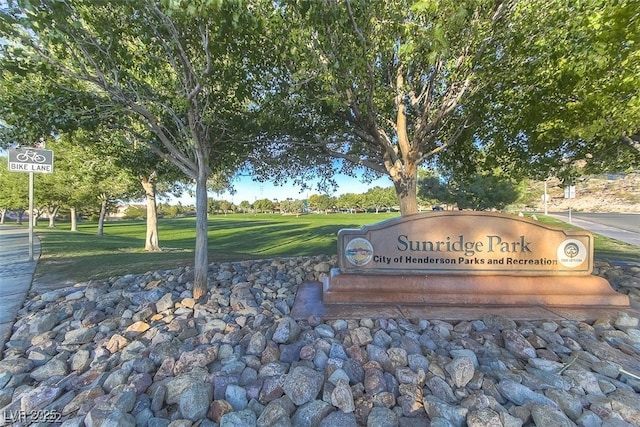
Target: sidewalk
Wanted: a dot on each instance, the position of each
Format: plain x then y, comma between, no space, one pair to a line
16,274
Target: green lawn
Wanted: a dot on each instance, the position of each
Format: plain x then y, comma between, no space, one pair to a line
82,255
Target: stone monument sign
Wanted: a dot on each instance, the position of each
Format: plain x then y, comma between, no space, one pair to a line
461,257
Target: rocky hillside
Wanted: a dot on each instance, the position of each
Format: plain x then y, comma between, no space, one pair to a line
599,193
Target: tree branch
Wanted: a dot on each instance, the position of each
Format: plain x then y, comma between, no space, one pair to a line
401,117
355,160
452,139
632,141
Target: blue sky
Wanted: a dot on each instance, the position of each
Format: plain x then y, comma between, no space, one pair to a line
247,189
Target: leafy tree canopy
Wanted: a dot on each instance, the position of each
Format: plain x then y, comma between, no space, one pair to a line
183,73
322,202
562,88
14,187
263,205
388,86
378,85
478,191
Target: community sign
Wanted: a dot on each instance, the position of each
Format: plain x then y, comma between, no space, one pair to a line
468,259
463,243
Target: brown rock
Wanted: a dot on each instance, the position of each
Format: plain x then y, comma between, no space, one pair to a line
217,409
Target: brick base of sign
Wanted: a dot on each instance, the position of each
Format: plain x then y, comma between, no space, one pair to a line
309,304
461,290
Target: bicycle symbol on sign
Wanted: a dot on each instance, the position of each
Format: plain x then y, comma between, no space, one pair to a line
34,156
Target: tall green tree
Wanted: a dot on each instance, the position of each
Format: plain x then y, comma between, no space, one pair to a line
35,108
291,206
245,206
380,198
322,202
83,178
263,205
181,72
432,188
562,88
350,201
14,191
481,192
379,85
157,177
49,109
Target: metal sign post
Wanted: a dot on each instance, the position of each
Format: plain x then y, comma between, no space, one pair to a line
30,160
30,216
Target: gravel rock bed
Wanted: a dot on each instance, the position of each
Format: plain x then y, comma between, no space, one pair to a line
138,350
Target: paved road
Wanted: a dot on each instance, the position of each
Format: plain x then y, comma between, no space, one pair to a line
623,227
16,274
624,221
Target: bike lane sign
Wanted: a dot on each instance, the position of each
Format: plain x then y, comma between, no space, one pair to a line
30,160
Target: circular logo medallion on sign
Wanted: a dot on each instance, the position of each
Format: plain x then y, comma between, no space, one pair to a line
359,251
571,253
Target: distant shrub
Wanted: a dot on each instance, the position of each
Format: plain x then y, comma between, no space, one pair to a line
628,196
135,212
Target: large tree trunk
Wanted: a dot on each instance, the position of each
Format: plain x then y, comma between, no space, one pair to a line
201,264
74,218
53,213
151,242
103,214
406,186
20,214
402,163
